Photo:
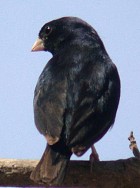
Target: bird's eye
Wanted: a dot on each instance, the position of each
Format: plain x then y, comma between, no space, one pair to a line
48,30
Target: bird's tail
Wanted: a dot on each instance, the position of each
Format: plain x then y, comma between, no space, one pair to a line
51,169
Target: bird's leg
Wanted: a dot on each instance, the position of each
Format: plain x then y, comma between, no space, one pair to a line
93,156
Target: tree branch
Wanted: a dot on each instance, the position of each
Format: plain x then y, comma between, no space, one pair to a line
133,145
106,174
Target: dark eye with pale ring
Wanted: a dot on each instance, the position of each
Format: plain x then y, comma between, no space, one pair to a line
48,30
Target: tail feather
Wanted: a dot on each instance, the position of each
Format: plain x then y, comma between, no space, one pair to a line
52,167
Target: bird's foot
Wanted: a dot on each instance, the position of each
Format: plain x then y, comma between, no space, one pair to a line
94,157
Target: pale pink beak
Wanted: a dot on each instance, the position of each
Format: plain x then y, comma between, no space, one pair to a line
38,45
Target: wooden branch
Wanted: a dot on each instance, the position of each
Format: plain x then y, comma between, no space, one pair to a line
105,174
133,145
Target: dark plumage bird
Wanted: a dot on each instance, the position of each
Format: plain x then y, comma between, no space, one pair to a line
76,97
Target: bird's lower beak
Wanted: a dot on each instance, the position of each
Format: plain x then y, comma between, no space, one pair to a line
38,45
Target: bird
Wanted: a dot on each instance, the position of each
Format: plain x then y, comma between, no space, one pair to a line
76,97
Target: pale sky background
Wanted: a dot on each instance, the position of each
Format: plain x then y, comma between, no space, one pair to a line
117,23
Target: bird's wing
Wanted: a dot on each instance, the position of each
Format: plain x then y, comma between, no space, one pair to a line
49,107
95,105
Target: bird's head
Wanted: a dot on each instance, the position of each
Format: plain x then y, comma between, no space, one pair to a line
60,33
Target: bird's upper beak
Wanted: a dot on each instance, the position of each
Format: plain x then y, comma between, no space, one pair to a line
38,45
